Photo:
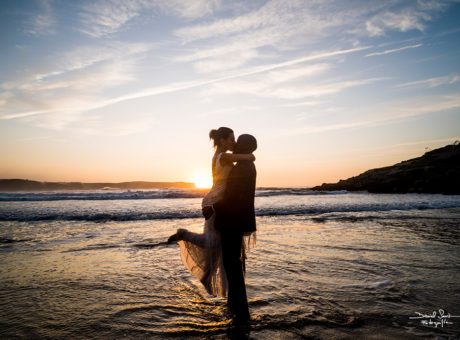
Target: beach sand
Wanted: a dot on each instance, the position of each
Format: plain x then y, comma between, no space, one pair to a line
336,278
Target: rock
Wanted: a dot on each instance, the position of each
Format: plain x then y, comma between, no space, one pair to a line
437,171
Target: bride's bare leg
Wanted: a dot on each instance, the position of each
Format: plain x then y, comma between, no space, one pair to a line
185,235
178,236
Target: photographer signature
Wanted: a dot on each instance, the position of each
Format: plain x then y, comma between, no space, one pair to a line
437,318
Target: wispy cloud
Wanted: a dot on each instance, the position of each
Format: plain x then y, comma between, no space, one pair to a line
269,14
44,21
105,17
405,20
277,25
22,114
318,90
121,126
393,50
79,58
295,24
74,85
304,103
190,9
432,82
76,81
398,110
267,88
51,105
228,61
254,71
293,73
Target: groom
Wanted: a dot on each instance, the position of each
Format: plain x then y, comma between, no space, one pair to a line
235,217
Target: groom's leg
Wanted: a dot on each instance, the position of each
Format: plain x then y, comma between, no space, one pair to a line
231,252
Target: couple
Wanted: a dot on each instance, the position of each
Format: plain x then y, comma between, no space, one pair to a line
217,256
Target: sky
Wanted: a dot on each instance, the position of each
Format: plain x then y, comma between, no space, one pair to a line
112,90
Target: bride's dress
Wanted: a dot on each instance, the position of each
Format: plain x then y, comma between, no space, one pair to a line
202,252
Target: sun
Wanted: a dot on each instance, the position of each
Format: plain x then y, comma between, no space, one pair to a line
203,181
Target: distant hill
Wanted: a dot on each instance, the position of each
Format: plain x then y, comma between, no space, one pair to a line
437,171
27,185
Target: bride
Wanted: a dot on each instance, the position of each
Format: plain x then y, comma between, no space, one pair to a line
201,252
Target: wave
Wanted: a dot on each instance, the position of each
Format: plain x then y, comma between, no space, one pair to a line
102,194
117,194
317,214
269,191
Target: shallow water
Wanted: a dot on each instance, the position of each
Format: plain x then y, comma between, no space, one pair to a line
354,267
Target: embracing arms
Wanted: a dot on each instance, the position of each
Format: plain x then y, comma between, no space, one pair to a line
228,158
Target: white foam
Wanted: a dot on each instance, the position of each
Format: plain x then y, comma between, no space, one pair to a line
375,284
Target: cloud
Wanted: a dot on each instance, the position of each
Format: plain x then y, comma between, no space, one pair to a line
432,82
42,23
305,103
104,17
292,73
4,96
433,5
174,87
268,88
190,9
121,126
281,26
227,62
311,19
93,78
240,44
393,50
406,20
77,59
267,15
81,94
307,129
318,90
288,26
387,113
22,114
73,86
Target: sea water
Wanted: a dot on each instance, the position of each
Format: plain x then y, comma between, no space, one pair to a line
94,264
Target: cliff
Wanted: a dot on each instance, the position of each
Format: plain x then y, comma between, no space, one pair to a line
437,171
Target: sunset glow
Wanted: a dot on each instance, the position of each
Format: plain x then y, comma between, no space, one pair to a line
98,91
203,182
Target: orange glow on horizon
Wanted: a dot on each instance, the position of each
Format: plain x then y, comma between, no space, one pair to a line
203,182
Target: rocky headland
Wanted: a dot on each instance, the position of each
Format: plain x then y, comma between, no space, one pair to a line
437,171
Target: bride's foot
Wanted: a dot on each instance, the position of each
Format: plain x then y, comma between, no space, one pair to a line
178,236
172,239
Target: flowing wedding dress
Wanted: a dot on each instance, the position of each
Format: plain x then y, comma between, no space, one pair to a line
202,252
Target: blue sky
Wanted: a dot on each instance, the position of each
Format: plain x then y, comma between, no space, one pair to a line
128,90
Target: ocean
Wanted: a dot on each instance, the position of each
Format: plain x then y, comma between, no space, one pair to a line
335,265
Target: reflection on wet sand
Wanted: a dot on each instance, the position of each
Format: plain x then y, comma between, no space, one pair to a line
326,279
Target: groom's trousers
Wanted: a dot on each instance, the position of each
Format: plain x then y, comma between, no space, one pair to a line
237,302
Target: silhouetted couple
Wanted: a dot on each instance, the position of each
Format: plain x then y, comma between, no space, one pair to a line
217,256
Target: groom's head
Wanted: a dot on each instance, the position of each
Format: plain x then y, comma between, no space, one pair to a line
245,144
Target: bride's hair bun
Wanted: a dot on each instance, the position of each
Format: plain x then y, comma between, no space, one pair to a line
213,134
219,134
